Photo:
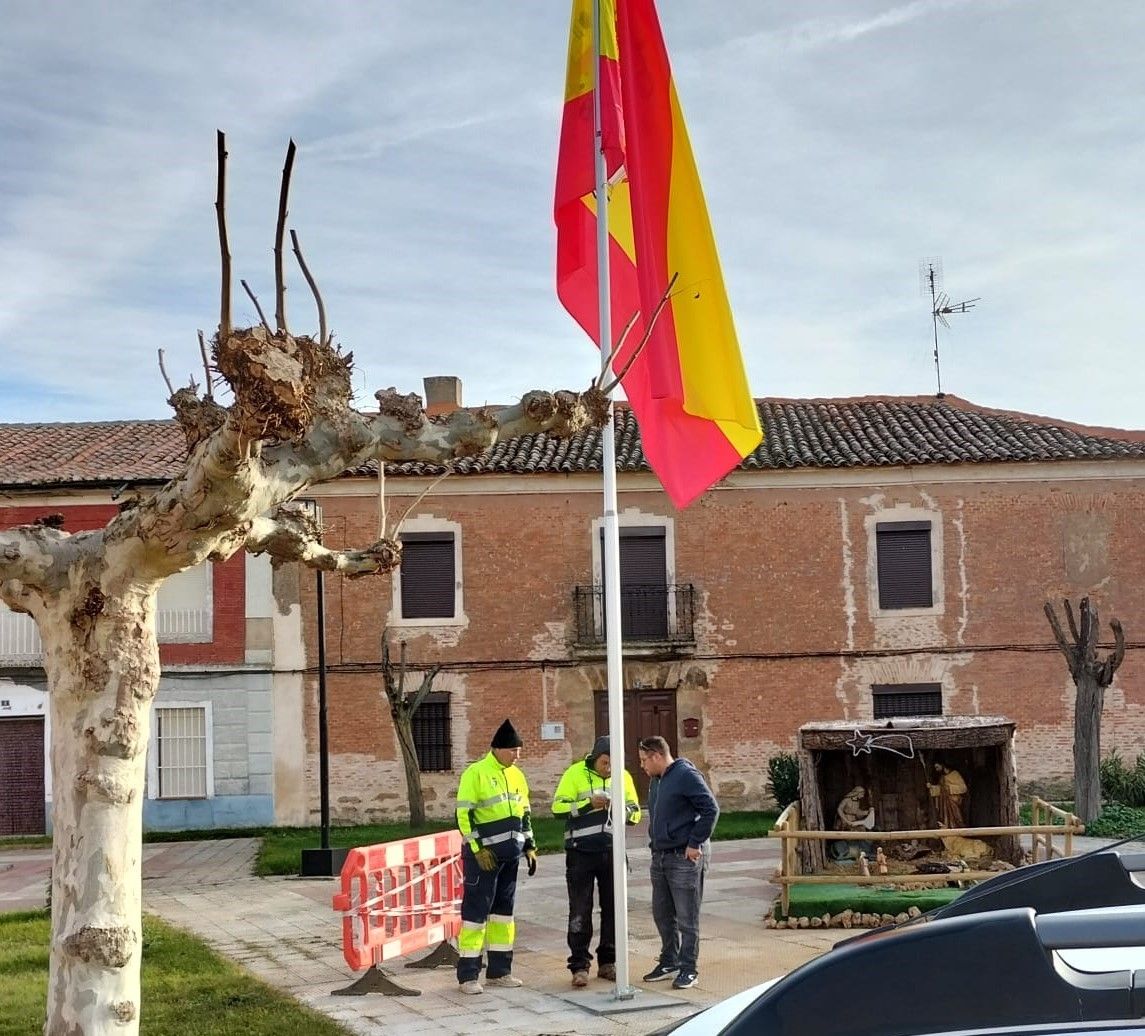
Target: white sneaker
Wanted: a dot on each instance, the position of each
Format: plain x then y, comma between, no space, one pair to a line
505,982
473,987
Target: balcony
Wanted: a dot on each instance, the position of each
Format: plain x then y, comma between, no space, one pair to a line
651,617
20,639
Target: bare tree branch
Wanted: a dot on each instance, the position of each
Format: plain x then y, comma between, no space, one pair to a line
1059,636
423,690
421,496
254,298
1086,641
1070,619
163,371
402,671
206,366
279,234
292,536
607,364
322,337
224,245
647,335
38,557
1113,661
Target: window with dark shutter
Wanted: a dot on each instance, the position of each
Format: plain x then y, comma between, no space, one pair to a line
643,582
429,576
906,699
904,570
431,734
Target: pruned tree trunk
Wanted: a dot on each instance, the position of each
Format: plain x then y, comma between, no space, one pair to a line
291,424
402,710
1091,676
102,662
403,725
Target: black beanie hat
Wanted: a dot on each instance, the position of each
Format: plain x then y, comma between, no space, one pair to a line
506,737
598,749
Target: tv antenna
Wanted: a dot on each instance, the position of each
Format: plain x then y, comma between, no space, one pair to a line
930,282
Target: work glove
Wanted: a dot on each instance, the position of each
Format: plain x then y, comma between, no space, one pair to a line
485,859
531,857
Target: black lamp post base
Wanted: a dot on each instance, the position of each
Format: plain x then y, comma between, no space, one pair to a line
323,863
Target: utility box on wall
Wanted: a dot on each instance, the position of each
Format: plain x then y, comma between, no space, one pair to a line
552,731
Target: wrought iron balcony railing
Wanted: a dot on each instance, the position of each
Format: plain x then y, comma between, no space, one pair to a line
656,614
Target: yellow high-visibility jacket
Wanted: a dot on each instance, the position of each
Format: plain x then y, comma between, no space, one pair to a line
586,828
493,808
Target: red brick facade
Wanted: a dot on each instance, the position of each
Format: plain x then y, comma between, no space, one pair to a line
787,627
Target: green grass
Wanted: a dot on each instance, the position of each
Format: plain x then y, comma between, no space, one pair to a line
817,900
281,851
188,989
193,835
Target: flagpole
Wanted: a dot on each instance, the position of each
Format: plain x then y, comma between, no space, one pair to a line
610,562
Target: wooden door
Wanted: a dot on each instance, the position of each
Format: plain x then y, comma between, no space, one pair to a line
646,714
22,776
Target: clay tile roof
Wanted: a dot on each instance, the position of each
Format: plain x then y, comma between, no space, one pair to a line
799,433
90,452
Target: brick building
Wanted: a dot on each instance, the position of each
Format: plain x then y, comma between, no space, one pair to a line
226,726
874,557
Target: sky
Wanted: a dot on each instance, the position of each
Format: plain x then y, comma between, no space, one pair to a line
839,144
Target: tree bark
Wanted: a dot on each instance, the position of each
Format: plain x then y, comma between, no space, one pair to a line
1087,746
101,657
403,725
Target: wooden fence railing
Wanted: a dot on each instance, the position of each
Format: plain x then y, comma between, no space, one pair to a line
1042,834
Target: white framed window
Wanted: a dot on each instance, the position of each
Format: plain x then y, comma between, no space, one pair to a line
904,567
427,585
185,606
180,763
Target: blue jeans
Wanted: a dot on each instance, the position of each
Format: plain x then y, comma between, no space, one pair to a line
677,891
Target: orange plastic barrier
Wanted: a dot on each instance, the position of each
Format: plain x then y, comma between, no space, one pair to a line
400,897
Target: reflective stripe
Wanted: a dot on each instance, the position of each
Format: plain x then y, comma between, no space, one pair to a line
502,932
471,938
486,803
504,837
496,947
466,804
596,829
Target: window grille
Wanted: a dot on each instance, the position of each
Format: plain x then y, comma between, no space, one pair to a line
431,734
181,752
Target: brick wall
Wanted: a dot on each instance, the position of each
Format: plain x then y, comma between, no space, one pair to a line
786,631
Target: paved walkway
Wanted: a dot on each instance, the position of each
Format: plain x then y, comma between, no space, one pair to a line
284,931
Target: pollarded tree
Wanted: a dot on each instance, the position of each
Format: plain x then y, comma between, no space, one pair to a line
290,424
1091,675
403,707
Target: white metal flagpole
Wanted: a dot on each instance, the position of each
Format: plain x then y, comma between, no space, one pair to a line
610,562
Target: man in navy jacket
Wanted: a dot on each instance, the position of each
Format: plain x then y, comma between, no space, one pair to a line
682,815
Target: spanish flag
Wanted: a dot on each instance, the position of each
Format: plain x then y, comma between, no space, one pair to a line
687,386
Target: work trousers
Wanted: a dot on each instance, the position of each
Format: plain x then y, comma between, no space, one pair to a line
585,872
677,891
486,918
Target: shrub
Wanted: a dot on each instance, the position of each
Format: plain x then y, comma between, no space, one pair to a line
1121,783
783,779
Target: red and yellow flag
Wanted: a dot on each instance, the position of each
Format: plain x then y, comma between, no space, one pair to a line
687,387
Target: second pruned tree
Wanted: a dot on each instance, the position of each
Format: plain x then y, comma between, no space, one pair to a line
1091,675
403,707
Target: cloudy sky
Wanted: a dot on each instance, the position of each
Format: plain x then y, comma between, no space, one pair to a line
839,143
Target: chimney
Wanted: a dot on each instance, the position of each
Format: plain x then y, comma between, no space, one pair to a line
442,395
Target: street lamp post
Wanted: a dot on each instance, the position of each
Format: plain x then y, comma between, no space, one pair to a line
324,861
